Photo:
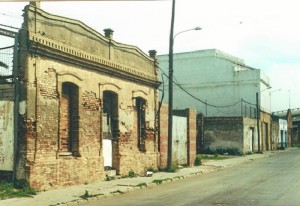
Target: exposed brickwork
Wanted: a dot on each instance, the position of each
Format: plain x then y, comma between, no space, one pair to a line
89,124
47,84
192,135
63,92
64,124
163,135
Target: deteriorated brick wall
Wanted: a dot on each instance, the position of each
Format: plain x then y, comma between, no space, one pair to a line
223,132
192,135
131,157
64,124
55,59
163,135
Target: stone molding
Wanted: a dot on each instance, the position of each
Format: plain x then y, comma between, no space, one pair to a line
77,54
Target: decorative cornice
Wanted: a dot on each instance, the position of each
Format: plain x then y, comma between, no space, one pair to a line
53,47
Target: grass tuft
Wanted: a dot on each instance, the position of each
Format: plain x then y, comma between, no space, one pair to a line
19,188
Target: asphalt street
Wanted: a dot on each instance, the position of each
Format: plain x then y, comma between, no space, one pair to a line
268,181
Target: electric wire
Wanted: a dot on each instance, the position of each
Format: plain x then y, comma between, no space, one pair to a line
198,99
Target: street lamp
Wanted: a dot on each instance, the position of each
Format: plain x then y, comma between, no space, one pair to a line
170,111
195,28
258,117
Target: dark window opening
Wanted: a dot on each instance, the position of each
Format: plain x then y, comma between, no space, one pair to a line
141,120
110,118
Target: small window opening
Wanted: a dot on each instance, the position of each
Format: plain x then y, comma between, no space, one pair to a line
110,118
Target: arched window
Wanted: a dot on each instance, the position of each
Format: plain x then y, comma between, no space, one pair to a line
141,122
69,119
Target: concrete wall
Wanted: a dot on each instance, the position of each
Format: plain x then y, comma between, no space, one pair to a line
216,78
223,133
7,127
57,50
250,135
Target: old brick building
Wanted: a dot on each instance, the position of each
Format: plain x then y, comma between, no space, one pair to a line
78,91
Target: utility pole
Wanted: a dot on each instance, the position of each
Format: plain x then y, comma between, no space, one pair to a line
170,114
257,121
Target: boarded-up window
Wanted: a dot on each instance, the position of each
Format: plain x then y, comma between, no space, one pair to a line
69,119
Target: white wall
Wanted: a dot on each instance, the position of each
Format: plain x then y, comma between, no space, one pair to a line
212,76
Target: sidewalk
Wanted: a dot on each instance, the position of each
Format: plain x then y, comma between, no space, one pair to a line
73,195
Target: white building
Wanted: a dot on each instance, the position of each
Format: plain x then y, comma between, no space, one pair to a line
283,135
216,84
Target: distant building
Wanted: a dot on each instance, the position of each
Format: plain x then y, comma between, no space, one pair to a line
221,85
292,116
218,79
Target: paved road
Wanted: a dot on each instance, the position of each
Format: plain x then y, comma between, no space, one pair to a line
269,181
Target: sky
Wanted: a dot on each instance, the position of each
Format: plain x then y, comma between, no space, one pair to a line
265,33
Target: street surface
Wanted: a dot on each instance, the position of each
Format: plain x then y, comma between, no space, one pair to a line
269,181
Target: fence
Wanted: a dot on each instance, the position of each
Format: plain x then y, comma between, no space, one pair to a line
6,64
248,109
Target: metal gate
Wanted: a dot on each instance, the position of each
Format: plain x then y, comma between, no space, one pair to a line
179,145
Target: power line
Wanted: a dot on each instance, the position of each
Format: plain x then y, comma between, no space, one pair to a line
12,27
198,99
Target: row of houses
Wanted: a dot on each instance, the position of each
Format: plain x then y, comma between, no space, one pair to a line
79,104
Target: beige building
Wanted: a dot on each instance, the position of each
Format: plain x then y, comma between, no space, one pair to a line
87,103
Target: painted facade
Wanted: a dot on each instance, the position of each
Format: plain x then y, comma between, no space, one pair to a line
216,79
220,85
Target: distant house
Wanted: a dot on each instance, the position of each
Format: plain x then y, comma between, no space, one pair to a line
220,85
296,127
279,133
292,116
86,104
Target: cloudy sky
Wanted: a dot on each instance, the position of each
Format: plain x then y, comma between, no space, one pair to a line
265,33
